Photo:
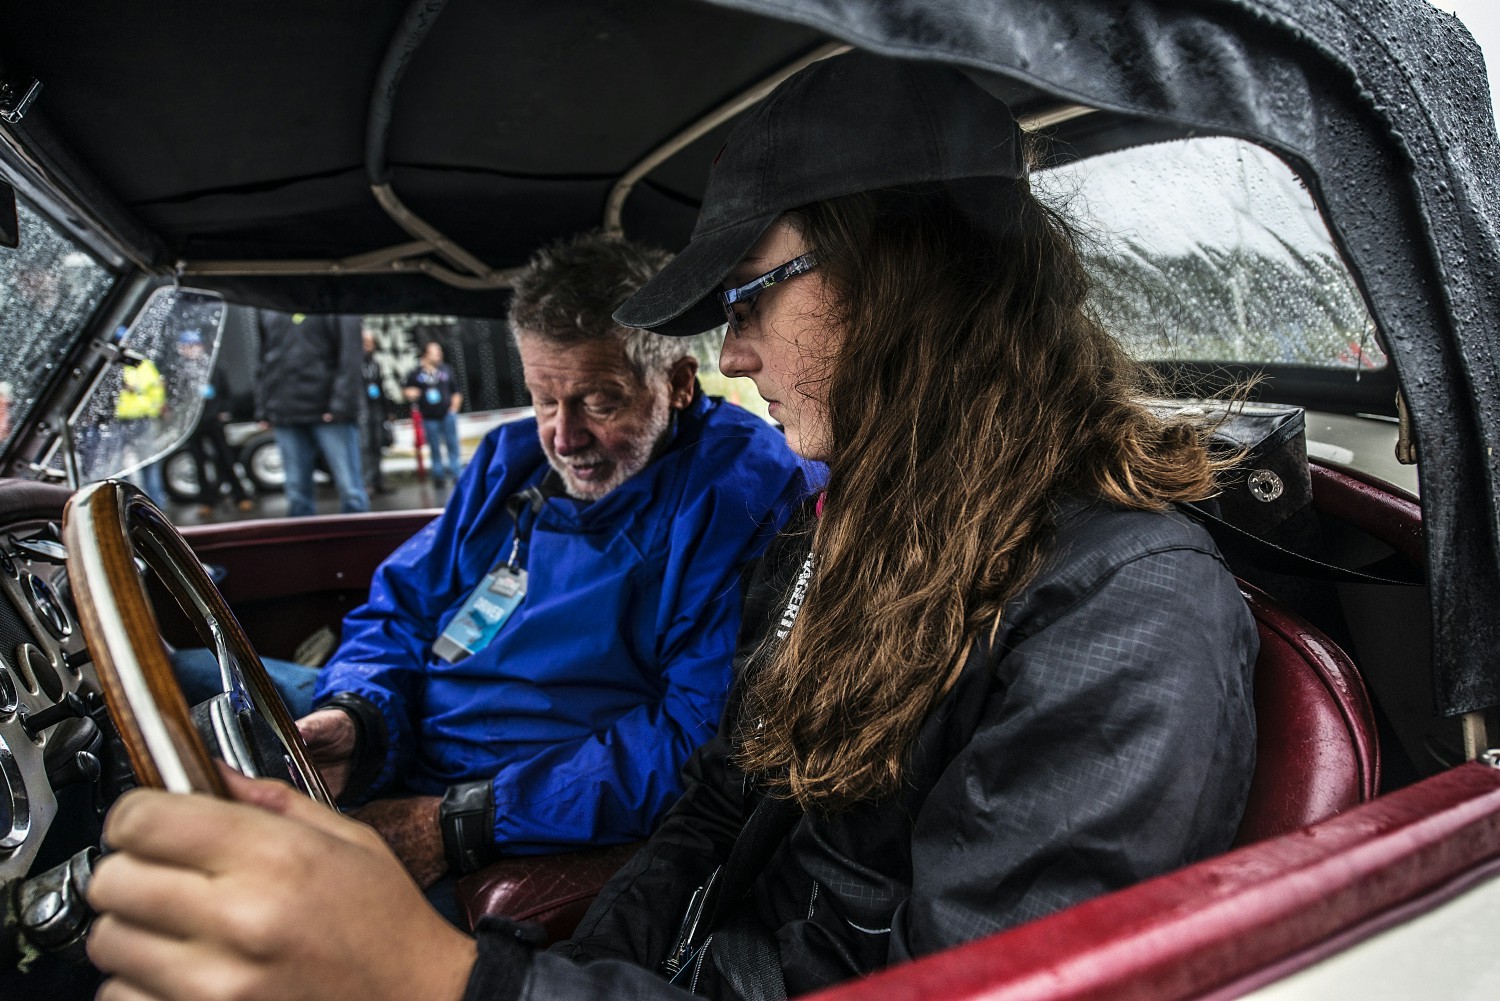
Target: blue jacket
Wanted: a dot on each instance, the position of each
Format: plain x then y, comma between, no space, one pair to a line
616,665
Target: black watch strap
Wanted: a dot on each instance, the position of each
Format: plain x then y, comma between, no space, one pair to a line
467,816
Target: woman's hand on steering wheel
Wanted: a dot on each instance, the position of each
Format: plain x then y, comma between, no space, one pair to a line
272,896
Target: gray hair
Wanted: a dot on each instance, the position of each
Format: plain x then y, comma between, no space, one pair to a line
569,290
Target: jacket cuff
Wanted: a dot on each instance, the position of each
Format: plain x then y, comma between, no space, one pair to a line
371,739
504,959
467,817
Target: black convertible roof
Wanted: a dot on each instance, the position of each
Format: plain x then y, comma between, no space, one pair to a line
217,134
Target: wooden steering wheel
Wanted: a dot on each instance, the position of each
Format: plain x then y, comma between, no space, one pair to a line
112,531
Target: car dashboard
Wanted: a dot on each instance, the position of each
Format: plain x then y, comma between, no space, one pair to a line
51,710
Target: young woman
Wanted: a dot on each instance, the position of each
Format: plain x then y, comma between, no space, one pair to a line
988,674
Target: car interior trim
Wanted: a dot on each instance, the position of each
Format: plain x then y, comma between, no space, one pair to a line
1202,928
1476,735
1381,509
1039,120
398,258
17,806
32,178
418,20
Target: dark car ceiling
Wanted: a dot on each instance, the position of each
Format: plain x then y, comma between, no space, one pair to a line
240,133
237,131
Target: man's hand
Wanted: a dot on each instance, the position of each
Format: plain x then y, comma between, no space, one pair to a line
329,735
274,896
409,824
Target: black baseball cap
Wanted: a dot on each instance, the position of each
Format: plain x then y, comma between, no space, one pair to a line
855,122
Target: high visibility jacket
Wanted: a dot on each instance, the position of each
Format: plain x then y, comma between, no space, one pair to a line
143,395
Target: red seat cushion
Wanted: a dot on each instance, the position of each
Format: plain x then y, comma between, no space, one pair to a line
1317,747
552,890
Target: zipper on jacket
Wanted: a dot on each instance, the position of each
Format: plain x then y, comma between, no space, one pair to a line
698,963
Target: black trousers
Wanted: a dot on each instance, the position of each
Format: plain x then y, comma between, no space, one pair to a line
215,461
372,442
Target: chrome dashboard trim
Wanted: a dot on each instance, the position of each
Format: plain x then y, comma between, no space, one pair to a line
13,793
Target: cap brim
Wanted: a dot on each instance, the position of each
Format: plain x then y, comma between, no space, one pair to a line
679,301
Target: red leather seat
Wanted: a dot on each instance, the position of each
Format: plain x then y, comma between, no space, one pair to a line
551,890
1317,747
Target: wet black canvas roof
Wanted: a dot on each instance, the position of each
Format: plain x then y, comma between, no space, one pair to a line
237,130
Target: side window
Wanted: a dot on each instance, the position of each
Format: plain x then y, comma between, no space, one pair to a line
1211,250
49,288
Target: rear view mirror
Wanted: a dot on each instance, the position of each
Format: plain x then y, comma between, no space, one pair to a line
10,226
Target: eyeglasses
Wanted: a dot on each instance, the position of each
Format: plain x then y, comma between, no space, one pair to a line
745,295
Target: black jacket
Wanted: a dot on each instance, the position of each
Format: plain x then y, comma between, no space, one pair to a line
1104,737
373,405
309,366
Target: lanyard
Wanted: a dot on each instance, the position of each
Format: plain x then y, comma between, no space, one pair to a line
530,499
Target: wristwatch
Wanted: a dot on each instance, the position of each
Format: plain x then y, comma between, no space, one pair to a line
466,816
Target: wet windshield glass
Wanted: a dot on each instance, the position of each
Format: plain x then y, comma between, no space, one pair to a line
49,287
150,401
1211,250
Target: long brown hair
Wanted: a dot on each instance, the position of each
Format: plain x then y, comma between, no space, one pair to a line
973,390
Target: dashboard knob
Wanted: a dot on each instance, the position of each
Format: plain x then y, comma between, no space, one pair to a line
83,766
69,707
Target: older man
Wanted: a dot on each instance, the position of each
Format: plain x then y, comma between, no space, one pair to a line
532,668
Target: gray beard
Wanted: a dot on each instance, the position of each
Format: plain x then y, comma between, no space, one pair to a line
652,442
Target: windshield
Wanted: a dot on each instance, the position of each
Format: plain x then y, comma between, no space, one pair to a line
49,288
1211,250
150,400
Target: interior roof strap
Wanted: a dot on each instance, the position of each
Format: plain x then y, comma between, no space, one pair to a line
1238,544
471,271
418,20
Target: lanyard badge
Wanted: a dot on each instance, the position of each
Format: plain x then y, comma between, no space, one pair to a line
490,606
483,614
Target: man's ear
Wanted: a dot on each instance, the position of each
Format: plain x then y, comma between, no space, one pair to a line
680,377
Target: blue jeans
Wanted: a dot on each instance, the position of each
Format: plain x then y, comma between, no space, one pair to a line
197,672
339,444
442,431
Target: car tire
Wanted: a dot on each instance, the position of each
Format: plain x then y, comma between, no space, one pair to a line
262,461
180,476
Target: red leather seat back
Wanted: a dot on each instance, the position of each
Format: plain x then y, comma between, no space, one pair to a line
1317,747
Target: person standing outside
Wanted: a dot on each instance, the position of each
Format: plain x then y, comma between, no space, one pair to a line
139,408
212,455
375,411
430,386
308,390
